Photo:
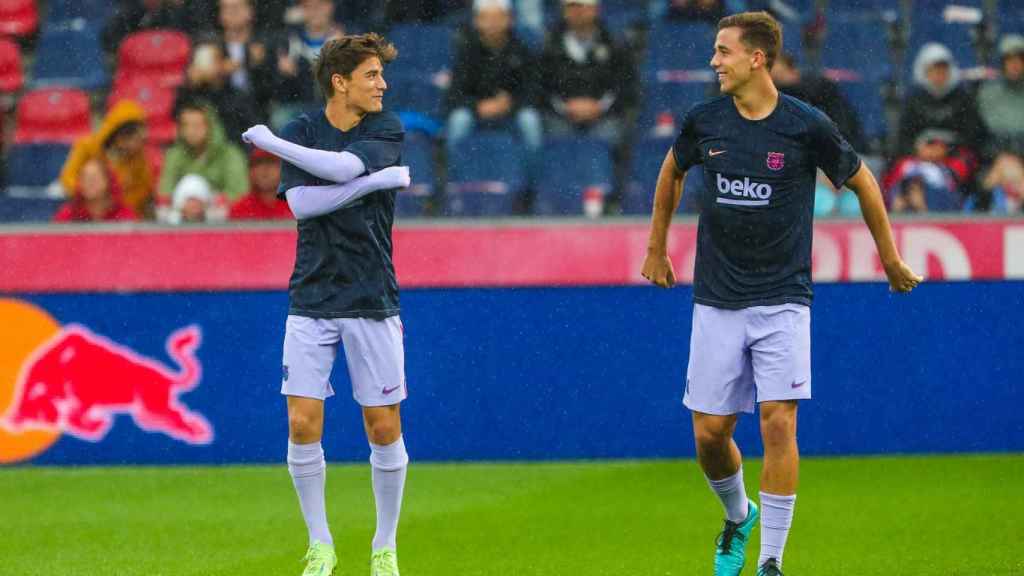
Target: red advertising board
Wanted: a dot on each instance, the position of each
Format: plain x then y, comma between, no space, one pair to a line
474,254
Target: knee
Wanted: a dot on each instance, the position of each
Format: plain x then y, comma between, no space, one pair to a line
303,428
710,435
383,431
778,427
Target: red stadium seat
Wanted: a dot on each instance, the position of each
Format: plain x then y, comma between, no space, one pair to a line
18,18
155,159
53,115
11,78
154,57
158,101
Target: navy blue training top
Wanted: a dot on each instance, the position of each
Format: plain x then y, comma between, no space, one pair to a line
756,208
343,266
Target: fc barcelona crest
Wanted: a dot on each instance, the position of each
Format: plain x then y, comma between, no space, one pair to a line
776,161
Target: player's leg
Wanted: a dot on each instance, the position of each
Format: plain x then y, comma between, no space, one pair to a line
376,364
309,352
781,355
719,385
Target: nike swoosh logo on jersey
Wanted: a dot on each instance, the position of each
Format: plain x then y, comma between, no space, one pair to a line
387,391
713,153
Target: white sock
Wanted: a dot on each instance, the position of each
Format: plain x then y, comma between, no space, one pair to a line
776,518
733,495
388,464
309,474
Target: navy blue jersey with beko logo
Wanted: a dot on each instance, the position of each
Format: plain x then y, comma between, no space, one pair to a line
757,205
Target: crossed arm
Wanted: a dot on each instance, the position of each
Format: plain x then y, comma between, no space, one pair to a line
344,168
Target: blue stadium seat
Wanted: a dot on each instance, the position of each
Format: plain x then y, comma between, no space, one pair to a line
21,210
486,175
418,79
418,155
866,99
648,154
856,46
672,98
70,56
35,165
673,48
571,169
95,12
930,27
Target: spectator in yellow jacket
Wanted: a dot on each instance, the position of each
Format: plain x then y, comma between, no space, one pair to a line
120,144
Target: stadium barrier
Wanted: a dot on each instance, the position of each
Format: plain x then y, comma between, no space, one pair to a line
524,341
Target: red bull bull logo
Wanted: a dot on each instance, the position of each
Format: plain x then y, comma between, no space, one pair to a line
58,380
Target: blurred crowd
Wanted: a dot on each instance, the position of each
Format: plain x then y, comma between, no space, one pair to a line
536,70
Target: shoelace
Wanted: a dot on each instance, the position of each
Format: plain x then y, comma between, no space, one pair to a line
730,532
386,561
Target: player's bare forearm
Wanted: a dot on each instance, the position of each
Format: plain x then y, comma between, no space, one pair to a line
667,194
657,266
872,206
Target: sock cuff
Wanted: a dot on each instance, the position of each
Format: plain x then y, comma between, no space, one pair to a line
727,481
778,500
305,459
389,457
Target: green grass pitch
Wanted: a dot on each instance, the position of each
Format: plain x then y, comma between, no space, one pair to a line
888,516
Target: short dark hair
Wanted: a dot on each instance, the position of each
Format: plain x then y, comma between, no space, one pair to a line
759,31
345,54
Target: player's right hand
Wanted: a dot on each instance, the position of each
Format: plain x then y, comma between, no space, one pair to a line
658,269
256,135
901,277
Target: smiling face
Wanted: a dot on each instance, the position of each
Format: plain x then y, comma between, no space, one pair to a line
733,60
364,89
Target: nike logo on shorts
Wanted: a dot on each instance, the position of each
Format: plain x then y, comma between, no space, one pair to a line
798,384
387,391
714,153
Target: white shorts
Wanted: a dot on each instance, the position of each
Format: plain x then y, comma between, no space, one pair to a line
735,353
373,351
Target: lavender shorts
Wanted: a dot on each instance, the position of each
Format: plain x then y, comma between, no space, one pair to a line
737,354
373,349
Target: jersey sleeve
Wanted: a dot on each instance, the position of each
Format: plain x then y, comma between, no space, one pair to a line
685,149
295,131
833,153
381,145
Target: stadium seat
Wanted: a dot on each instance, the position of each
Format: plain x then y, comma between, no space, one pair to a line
418,155
35,165
11,77
573,172
53,115
420,76
155,159
485,175
94,12
154,57
855,48
931,27
158,101
638,197
17,210
70,56
664,103
19,18
680,52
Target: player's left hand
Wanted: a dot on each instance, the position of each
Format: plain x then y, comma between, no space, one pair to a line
257,135
901,277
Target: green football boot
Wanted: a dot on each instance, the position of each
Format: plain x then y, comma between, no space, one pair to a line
384,562
320,560
731,549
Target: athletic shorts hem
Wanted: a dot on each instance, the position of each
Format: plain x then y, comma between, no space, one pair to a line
713,411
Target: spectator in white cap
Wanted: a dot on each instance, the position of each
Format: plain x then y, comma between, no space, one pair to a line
192,198
494,80
1001,101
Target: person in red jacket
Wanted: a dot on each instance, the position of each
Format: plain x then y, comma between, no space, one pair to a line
97,199
262,203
